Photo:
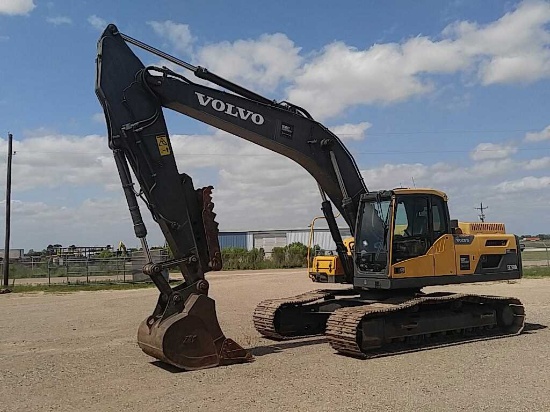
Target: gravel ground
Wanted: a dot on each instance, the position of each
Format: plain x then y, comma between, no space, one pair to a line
77,351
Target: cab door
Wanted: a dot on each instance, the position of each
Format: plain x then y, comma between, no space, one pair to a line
412,237
443,248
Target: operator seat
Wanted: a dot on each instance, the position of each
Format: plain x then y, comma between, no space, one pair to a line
419,226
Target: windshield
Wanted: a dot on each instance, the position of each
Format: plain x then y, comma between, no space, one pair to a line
374,224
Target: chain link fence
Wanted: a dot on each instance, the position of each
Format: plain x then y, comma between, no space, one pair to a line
71,269
536,255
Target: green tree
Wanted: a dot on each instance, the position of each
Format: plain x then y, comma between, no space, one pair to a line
105,254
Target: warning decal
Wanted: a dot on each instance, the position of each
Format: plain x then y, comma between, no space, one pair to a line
162,143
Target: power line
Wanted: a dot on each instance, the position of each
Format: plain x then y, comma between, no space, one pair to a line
366,133
413,132
268,154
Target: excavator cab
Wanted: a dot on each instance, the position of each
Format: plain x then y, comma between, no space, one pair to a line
406,239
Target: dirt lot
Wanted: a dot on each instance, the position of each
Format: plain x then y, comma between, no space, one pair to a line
78,352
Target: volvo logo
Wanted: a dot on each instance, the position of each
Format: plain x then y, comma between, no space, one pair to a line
230,109
463,239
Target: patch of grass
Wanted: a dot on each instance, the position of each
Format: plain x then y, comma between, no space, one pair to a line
535,255
536,272
77,287
544,243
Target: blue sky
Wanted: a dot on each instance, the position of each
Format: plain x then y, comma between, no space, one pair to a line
451,94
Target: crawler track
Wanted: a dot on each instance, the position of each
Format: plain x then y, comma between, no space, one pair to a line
345,334
266,311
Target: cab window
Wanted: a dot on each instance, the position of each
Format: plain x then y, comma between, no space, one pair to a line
439,218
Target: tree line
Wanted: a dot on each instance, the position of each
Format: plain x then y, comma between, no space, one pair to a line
290,256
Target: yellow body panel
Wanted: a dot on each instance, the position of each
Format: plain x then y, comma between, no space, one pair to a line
444,257
413,268
438,261
478,247
472,228
329,265
420,191
443,252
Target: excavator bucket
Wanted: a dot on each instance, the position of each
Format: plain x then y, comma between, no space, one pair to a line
190,339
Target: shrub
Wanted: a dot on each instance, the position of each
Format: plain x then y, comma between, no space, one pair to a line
290,256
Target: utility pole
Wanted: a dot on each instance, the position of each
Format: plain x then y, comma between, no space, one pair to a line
482,211
8,214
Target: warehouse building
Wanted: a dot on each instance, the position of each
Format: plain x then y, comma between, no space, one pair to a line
268,239
14,254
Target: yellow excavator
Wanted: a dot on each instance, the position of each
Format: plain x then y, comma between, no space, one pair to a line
326,266
404,238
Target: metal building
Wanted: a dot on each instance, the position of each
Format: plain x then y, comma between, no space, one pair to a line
268,239
233,239
13,254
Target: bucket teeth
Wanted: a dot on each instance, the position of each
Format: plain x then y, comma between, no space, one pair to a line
231,352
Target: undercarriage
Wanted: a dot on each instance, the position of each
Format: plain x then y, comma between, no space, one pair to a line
364,323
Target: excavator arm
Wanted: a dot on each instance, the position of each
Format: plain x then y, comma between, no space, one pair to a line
183,330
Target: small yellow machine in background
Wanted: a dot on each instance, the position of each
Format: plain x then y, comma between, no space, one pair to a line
327,268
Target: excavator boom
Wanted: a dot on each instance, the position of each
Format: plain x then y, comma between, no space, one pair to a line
183,330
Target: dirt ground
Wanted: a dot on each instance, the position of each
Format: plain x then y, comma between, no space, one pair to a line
77,352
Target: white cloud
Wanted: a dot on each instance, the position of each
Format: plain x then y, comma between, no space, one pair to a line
436,175
254,187
525,184
514,48
94,209
98,221
97,22
16,7
263,63
179,35
49,160
535,164
278,194
351,131
485,151
390,176
342,76
492,168
538,136
59,20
